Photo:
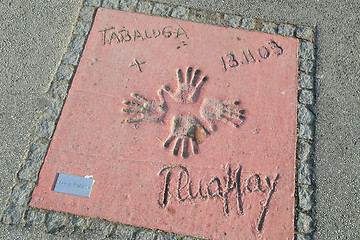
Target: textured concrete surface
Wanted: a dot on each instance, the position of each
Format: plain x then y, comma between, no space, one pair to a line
13,232
34,35
32,40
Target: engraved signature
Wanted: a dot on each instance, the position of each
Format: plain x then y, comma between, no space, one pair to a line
180,188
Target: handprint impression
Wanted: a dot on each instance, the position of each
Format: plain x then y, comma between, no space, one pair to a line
214,109
148,110
184,128
188,89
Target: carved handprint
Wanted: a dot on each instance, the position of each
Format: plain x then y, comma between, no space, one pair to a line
188,89
148,110
214,109
186,132
185,129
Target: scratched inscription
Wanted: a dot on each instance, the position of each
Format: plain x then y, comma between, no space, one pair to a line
123,35
185,130
137,64
230,60
182,188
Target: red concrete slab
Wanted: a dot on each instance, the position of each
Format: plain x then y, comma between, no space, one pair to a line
159,108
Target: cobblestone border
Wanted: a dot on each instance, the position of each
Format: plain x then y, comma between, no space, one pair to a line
18,212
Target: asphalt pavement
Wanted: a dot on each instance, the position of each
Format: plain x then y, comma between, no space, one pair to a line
35,34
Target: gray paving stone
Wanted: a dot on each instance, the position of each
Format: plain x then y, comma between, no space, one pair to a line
305,198
180,12
37,151
86,13
59,90
52,111
305,33
45,129
304,151
42,103
306,65
110,4
34,218
127,5
305,116
306,132
144,235
77,224
13,215
82,28
304,173
161,9
307,50
233,21
124,232
306,81
214,18
103,228
207,17
92,3
21,194
189,238
77,43
248,23
166,236
268,27
64,72
306,97
54,222
286,30
30,171
303,237
196,15
144,7
305,223
71,58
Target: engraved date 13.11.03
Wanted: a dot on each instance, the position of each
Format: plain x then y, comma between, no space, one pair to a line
265,52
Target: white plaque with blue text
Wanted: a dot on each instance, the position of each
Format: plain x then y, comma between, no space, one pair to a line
74,185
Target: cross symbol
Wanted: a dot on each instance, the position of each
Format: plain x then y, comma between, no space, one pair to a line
138,64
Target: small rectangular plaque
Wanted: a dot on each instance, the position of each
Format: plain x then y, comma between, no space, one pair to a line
74,185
